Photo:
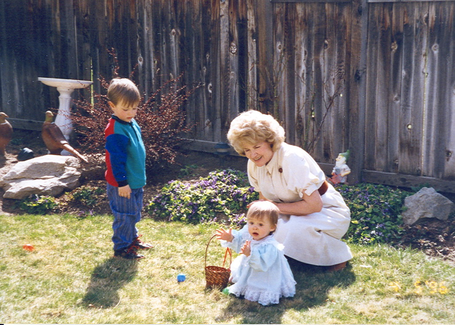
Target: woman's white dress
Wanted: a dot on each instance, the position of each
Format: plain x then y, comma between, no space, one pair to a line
265,275
315,238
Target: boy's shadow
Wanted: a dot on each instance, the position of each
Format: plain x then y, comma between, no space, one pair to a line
107,279
313,286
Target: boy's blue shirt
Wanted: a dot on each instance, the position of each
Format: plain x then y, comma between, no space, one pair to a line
125,154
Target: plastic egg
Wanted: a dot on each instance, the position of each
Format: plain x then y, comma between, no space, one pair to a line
28,247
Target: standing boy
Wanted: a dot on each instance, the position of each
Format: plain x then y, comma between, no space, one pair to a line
125,162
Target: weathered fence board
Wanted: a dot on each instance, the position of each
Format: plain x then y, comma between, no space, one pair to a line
439,85
409,111
314,84
412,100
375,77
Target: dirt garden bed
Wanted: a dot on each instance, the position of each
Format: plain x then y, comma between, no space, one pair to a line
190,165
434,237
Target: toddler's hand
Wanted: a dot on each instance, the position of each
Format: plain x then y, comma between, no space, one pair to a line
223,234
124,191
246,248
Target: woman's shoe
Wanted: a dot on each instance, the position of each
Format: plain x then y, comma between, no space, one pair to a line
337,267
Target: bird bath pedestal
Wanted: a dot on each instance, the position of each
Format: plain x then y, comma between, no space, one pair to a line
65,88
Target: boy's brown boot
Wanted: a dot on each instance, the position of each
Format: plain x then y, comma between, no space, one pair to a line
139,244
128,253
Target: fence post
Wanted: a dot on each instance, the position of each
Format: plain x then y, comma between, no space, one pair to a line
358,90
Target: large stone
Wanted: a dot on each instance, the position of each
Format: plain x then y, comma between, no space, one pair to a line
427,203
44,175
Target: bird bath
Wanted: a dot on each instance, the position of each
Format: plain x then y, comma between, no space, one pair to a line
65,88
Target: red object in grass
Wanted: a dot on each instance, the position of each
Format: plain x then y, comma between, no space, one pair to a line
28,247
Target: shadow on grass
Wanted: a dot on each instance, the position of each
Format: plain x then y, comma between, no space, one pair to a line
107,279
313,286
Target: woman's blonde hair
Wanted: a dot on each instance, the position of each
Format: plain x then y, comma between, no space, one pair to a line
264,210
252,127
123,91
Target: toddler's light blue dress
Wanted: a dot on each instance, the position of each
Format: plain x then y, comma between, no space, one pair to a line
265,275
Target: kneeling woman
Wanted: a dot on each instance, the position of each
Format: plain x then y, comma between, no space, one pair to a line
314,216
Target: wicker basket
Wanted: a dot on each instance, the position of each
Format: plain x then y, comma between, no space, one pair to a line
217,276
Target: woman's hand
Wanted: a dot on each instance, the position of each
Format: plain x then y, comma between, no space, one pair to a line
224,234
246,248
309,204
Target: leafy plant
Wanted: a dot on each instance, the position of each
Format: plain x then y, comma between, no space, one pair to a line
162,119
375,212
86,195
221,193
38,204
375,209
187,170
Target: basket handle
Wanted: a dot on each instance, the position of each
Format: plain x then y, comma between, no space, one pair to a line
228,251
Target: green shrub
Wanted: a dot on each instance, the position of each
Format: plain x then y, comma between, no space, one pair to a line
375,209
86,195
38,204
221,193
375,212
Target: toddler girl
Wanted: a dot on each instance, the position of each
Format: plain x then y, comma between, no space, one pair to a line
261,273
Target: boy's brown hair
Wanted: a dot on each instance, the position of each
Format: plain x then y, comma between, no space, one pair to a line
123,91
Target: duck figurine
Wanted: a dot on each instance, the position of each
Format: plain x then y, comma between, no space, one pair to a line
6,133
55,140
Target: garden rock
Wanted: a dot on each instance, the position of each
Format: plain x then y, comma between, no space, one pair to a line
94,169
44,175
427,203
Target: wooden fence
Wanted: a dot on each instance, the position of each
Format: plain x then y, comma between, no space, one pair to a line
375,77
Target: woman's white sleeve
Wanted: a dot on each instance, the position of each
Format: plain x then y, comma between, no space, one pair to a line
299,175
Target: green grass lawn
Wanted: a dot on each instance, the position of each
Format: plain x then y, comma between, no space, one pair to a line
71,277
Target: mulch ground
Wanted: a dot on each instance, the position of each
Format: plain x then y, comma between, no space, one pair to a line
435,238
